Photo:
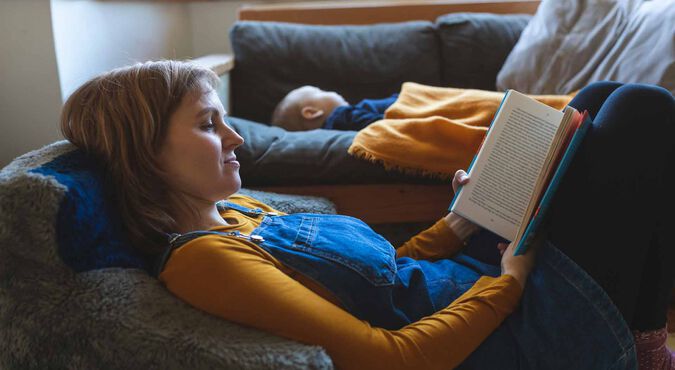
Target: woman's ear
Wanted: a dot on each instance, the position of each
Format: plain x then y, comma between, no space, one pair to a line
311,113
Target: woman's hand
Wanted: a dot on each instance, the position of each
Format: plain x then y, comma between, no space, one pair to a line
460,178
462,227
517,266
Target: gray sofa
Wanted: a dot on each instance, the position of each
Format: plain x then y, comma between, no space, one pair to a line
458,50
74,294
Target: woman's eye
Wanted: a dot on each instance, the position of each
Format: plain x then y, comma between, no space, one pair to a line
208,126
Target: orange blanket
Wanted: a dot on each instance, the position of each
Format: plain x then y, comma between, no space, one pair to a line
434,130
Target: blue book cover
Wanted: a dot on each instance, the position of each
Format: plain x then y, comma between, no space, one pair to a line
537,220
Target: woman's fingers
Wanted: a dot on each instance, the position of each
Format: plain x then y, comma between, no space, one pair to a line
502,247
460,178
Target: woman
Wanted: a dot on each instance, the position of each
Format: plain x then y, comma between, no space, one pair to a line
330,280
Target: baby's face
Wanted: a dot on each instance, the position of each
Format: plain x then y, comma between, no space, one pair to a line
324,100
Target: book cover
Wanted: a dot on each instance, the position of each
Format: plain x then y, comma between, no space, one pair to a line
545,203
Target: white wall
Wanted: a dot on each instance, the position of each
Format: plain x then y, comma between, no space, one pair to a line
30,94
211,22
93,37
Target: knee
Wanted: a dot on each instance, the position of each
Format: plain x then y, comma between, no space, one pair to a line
641,109
600,88
645,99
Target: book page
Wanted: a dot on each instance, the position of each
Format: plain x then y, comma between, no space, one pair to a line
506,169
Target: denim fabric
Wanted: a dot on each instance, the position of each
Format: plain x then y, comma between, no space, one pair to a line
564,321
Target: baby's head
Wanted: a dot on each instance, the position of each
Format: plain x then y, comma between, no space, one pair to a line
306,108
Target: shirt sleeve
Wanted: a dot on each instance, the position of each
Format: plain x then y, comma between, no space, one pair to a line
239,283
436,242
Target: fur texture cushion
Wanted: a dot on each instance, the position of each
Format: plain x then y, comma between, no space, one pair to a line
101,309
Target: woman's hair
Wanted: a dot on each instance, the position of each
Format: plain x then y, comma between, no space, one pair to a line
121,118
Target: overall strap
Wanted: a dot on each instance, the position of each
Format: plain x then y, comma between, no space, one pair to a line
222,205
177,240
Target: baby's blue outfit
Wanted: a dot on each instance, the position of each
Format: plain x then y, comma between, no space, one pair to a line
355,117
564,321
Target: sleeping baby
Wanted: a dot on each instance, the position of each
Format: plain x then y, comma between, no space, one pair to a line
308,108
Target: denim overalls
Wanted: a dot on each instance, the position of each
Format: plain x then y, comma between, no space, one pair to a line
564,321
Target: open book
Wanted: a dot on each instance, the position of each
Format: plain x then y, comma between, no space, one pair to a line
518,168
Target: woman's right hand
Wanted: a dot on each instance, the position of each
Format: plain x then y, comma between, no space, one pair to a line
517,266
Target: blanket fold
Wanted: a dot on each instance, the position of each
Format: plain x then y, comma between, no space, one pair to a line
434,131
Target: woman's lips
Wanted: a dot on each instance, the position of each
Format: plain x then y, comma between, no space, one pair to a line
232,162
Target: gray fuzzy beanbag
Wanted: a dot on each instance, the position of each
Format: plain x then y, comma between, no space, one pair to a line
74,294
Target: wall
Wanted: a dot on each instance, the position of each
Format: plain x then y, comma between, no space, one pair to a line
30,93
210,22
93,37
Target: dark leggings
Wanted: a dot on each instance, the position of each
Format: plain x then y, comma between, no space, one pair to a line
615,206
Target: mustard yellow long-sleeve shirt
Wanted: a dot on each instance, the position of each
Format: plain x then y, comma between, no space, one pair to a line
241,282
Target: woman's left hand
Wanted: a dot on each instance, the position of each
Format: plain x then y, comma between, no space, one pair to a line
462,227
461,178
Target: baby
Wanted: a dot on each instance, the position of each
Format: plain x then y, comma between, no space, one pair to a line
309,108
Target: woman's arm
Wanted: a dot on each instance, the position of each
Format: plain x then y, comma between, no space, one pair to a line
445,238
241,283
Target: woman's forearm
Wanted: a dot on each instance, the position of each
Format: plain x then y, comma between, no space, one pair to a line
462,227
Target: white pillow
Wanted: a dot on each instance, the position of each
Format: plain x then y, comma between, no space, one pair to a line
571,43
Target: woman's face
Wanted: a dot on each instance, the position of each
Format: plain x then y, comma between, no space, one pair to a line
198,152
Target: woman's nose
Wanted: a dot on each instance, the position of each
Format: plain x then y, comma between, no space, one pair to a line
231,137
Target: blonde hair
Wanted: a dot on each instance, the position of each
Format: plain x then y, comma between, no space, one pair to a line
121,118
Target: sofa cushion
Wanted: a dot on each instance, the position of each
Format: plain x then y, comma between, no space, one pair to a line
273,156
55,317
569,44
475,45
356,61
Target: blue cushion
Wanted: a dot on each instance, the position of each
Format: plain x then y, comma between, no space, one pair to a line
89,230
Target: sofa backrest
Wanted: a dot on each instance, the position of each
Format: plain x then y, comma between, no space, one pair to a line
356,61
474,47
372,61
